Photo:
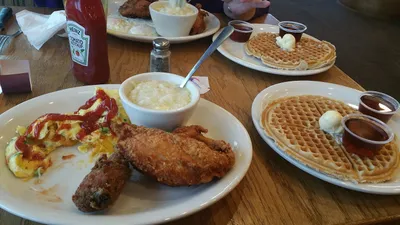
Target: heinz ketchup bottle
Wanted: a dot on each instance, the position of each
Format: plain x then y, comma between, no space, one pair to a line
86,26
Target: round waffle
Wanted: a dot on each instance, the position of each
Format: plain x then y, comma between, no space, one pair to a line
293,123
308,54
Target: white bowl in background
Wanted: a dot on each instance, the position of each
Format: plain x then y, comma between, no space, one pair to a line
161,119
172,25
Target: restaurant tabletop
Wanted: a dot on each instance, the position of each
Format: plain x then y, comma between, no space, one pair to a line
273,191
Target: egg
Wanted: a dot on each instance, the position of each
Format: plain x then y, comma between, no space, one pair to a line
143,29
118,24
58,133
25,168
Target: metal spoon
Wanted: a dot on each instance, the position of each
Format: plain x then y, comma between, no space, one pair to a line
226,32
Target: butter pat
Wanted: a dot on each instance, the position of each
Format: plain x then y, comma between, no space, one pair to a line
330,122
287,42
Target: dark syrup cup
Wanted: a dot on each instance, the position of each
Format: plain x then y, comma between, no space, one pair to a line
377,134
242,32
378,105
294,28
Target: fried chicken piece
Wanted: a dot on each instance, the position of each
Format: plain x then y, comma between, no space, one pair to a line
136,8
199,25
103,185
174,159
196,132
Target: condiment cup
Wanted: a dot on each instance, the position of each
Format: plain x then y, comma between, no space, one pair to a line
367,107
162,119
360,145
172,25
290,27
243,30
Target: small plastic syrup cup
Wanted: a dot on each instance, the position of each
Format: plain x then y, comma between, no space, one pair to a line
365,135
242,32
378,105
294,28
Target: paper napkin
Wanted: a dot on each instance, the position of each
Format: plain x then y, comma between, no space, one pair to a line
39,28
201,83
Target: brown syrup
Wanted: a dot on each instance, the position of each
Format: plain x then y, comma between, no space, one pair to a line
379,104
292,27
239,36
367,130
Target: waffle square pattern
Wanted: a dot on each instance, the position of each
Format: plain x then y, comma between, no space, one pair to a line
293,124
308,54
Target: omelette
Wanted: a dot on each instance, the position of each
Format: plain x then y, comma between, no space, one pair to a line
28,154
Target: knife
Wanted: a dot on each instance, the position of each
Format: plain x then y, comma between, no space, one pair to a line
5,15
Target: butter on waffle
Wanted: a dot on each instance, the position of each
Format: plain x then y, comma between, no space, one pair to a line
308,54
293,123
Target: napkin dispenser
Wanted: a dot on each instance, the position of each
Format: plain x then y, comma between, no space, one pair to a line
15,76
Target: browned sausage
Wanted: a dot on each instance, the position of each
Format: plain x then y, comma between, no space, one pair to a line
102,186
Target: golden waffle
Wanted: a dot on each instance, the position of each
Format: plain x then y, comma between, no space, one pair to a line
380,167
325,104
313,148
295,111
308,54
293,123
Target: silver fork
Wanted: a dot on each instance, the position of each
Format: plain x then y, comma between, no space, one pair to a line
4,39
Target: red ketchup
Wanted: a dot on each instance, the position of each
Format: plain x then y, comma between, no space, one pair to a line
89,123
86,26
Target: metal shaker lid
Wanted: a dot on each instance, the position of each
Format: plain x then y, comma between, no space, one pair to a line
161,44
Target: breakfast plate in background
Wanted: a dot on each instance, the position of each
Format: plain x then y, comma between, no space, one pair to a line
143,200
235,51
143,30
344,94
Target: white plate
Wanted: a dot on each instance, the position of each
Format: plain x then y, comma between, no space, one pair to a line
212,26
349,96
235,52
143,200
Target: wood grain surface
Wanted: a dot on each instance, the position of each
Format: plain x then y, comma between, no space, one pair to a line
273,191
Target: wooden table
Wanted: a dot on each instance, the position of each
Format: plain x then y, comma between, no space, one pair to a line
273,191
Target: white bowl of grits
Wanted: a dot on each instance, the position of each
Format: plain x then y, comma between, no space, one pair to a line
155,100
173,21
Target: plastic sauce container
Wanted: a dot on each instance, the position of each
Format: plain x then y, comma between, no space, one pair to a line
364,135
378,105
294,28
242,32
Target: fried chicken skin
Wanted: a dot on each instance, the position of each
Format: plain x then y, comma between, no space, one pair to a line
103,185
199,25
196,132
174,159
136,8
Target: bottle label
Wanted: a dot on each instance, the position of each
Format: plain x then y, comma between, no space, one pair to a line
78,42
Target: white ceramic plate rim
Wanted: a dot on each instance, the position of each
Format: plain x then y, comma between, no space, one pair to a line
173,40
266,69
304,87
20,208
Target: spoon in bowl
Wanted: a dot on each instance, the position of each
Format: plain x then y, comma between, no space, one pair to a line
226,32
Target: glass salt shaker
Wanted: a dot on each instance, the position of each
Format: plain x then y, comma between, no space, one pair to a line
160,56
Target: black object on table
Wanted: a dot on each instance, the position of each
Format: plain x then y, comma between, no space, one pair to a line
5,14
